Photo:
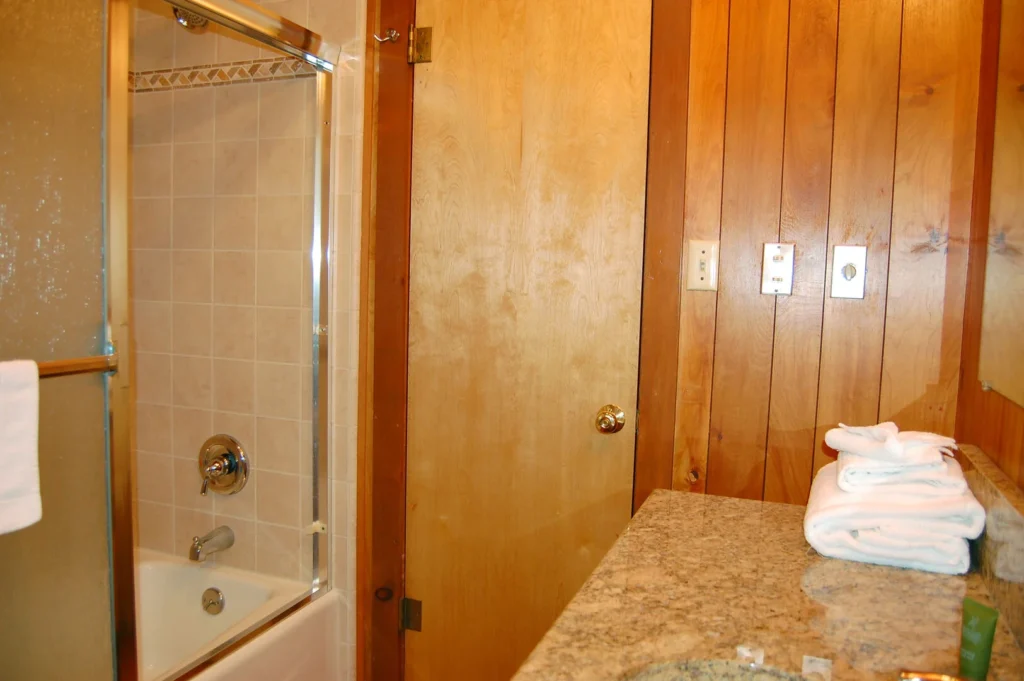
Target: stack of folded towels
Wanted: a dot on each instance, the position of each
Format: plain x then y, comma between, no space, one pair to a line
895,499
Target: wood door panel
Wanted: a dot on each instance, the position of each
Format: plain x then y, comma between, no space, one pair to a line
529,159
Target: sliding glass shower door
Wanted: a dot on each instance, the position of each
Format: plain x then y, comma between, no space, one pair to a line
55,604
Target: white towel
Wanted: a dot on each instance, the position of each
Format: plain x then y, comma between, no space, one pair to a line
20,503
937,478
886,443
927,533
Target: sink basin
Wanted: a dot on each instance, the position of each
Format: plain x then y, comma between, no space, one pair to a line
710,670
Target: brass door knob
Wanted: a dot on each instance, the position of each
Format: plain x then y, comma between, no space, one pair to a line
610,419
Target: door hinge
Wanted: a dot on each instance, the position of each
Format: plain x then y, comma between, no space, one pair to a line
411,614
419,44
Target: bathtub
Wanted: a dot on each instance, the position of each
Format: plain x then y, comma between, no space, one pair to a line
305,646
174,631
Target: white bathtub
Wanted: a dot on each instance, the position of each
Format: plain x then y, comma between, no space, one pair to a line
305,646
174,630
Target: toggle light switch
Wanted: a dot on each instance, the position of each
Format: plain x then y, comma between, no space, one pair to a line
777,269
702,266
849,265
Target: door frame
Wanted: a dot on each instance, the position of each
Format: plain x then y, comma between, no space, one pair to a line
384,301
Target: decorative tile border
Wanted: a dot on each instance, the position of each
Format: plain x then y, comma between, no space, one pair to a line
253,71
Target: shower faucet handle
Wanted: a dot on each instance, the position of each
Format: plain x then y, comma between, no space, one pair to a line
218,467
223,465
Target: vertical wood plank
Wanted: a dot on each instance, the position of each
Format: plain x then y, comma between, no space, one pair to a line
663,248
867,81
754,125
705,126
807,165
939,66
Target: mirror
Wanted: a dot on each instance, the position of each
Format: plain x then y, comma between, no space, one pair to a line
1002,328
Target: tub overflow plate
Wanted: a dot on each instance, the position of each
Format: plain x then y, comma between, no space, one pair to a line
213,601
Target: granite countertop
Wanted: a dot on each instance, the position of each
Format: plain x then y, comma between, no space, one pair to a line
695,576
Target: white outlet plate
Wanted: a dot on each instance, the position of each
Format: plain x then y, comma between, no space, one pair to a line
702,266
777,269
849,270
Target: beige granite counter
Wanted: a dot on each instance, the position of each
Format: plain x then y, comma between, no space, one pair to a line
695,576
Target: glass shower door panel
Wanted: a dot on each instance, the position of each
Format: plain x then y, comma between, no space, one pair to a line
55,604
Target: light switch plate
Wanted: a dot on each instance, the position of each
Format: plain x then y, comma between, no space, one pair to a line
849,270
777,269
702,266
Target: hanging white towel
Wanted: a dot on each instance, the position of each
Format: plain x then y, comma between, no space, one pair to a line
924,533
885,442
937,478
20,503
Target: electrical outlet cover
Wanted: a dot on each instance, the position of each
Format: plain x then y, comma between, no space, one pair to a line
702,266
777,269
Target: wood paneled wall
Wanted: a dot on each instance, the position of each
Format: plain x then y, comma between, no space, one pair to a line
988,419
823,123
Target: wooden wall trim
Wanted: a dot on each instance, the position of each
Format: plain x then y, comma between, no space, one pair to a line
663,248
986,419
384,327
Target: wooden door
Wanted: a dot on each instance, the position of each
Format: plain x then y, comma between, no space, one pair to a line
528,172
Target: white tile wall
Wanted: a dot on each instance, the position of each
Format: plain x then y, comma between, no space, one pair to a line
218,185
219,310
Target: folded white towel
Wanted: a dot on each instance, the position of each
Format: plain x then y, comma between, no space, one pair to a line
937,478
878,442
886,443
20,503
924,533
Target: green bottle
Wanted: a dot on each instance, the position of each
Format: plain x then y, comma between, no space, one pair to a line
979,628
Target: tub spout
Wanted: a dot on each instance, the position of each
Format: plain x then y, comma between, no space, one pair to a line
217,540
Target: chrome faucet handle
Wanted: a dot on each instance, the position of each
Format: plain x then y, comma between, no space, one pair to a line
223,465
217,468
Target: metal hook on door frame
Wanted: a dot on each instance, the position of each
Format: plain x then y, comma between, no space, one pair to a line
390,36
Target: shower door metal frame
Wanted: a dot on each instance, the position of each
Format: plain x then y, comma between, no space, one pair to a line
120,384
281,34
